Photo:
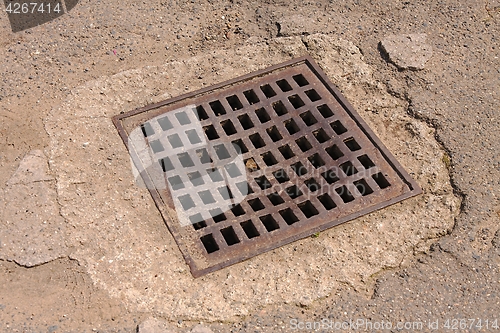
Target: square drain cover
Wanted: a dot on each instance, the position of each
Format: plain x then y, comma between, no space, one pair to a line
251,164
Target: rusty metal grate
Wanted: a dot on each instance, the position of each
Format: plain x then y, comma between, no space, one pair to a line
257,162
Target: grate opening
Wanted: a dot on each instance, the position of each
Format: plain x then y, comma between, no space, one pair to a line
269,159
217,215
352,144
215,175
288,216
308,118
296,101
222,152
165,123
366,162
234,102
228,127
308,209
245,121
206,196
217,108
313,95
210,132
275,199
344,194
269,222
325,111
147,130
268,91
321,135
284,85
263,182
316,160
199,225
185,160
257,140
182,118
166,164
209,243
303,144
330,176
176,182
204,156
291,126
279,108
202,114
338,127
281,176
226,193
233,170
195,178
381,180
186,202
262,115
238,210
301,80
274,134
348,168
294,192
251,96
363,187
299,168
312,185
251,165
229,236
244,188
256,204
327,201
249,229
286,152
175,141
156,146
193,136
334,152
240,145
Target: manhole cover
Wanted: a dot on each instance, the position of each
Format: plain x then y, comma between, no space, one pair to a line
257,162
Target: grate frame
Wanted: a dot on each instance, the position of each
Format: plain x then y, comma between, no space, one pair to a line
289,117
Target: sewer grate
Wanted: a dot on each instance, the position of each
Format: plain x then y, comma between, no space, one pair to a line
257,162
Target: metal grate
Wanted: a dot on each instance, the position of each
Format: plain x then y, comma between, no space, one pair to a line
249,165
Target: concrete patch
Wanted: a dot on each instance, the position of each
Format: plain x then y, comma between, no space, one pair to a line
407,51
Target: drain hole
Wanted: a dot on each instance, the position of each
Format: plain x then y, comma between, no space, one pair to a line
263,115
206,197
225,192
325,111
147,130
288,216
257,140
263,182
237,210
209,243
312,184
308,209
301,80
197,221
244,188
269,159
245,121
296,101
175,140
327,201
366,161
251,165
222,152
232,170
330,176
344,194
165,123
186,202
176,182
284,85
249,229
185,160
348,168
321,135
286,152
217,108
203,156
363,187
251,97
275,199
211,132
156,146
234,102
352,144
299,168
228,127
196,178
308,118
269,222
334,152
201,113
291,126
316,161
217,215
267,90
381,180
240,146
274,134
193,136
303,144
313,95
256,204
215,175
279,108
338,127
183,118
294,192
166,164
281,176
